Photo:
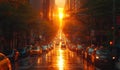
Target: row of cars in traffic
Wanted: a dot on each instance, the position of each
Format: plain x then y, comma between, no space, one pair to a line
98,55
10,56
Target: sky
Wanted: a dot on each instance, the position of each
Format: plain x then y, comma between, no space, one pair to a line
60,3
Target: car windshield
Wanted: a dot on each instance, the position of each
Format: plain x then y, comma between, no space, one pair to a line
90,50
20,50
2,57
8,52
35,48
103,52
79,46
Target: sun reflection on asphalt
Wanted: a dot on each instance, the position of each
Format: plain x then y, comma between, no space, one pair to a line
39,60
60,61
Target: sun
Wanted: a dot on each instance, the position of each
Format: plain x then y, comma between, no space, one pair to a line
61,14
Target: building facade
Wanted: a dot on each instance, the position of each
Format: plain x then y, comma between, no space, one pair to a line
17,1
70,5
52,9
45,7
74,5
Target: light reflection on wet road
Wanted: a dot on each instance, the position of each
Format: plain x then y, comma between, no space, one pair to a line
57,59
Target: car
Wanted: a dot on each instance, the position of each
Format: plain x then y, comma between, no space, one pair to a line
88,51
45,48
102,56
28,47
72,47
12,54
23,52
5,63
79,49
63,46
36,50
49,47
118,63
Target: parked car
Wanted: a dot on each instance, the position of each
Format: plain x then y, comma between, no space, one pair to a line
4,62
118,63
79,49
36,51
12,54
63,46
28,48
102,56
23,52
49,47
45,48
88,51
72,47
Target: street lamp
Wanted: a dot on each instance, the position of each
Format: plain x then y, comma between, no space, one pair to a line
114,21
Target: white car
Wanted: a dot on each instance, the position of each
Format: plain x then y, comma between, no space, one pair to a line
36,50
45,48
5,63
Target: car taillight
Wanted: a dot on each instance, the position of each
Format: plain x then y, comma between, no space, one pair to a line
111,42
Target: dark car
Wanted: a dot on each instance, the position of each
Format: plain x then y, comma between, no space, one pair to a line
12,54
23,52
5,63
102,56
36,51
45,48
63,46
79,49
72,47
87,53
118,63
28,48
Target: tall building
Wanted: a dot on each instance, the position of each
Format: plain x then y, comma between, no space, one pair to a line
67,5
3,1
52,9
74,5
18,1
38,6
77,5
70,5
15,3
45,7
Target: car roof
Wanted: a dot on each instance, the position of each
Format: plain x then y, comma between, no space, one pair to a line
1,54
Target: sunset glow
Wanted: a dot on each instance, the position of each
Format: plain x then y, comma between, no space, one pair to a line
61,14
60,3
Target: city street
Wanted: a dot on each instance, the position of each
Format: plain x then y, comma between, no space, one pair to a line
57,59
59,34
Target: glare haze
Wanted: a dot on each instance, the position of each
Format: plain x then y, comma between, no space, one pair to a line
60,3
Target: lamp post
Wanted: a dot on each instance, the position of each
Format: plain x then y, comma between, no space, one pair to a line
114,21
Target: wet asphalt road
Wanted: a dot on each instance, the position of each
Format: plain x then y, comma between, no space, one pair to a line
56,59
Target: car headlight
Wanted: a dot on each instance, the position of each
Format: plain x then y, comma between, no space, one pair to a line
113,58
97,57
